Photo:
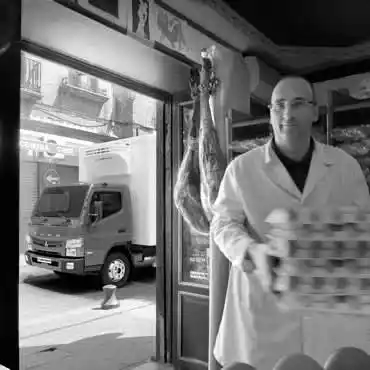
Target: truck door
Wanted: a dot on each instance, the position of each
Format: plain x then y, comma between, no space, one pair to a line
108,230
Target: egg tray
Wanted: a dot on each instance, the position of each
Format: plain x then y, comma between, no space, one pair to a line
320,217
309,285
351,304
325,267
324,232
325,259
330,285
319,248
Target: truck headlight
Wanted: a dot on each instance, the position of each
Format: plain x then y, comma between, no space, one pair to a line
75,243
28,243
72,247
71,252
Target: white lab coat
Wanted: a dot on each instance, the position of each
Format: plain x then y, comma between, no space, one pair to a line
253,330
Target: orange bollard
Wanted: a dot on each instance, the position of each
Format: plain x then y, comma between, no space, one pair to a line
110,300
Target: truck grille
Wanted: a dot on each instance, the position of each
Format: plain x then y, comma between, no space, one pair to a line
50,244
44,253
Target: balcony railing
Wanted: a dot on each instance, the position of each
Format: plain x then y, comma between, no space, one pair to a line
84,82
31,74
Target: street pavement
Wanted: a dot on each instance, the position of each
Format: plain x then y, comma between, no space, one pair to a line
63,327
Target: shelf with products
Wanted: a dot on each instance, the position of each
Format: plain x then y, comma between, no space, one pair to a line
351,132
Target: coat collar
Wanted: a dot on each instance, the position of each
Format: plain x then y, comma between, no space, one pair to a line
320,151
322,160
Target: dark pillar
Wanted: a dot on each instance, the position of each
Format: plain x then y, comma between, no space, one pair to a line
10,25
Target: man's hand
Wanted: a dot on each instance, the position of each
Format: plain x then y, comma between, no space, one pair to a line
260,263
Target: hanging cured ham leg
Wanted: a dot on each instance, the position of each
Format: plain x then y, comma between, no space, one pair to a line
212,160
199,183
187,189
212,166
203,166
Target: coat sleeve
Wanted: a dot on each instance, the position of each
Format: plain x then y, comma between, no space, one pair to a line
359,185
228,227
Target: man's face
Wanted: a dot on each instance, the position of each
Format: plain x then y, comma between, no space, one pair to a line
292,111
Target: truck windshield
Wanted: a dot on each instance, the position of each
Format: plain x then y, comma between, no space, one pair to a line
61,201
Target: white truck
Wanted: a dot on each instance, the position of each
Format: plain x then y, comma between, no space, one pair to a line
104,224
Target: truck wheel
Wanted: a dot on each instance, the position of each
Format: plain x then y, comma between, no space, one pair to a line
116,270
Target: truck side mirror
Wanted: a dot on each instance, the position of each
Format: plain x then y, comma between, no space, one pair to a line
98,212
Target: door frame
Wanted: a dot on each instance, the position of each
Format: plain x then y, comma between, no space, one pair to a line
164,185
182,291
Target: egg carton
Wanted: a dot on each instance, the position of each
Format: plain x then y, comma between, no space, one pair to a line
325,258
295,218
357,304
323,232
325,267
330,285
292,248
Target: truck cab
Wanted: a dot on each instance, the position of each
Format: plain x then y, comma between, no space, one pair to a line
99,227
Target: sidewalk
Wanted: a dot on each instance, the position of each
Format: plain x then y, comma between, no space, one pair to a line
88,338
122,340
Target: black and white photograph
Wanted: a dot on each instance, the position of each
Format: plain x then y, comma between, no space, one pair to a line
186,185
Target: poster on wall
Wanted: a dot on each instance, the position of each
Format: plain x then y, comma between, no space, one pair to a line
177,35
195,257
140,18
199,262
167,29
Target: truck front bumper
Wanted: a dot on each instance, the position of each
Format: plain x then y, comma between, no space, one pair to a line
62,264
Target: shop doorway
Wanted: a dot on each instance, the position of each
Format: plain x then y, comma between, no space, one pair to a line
78,127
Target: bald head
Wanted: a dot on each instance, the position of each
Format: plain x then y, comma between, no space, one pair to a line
292,113
299,86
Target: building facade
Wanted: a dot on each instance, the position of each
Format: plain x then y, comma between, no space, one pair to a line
63,110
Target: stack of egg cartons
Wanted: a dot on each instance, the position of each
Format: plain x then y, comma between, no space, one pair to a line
325,259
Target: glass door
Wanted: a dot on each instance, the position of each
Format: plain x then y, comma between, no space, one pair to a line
190,278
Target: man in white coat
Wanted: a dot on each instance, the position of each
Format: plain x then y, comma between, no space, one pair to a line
290,171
